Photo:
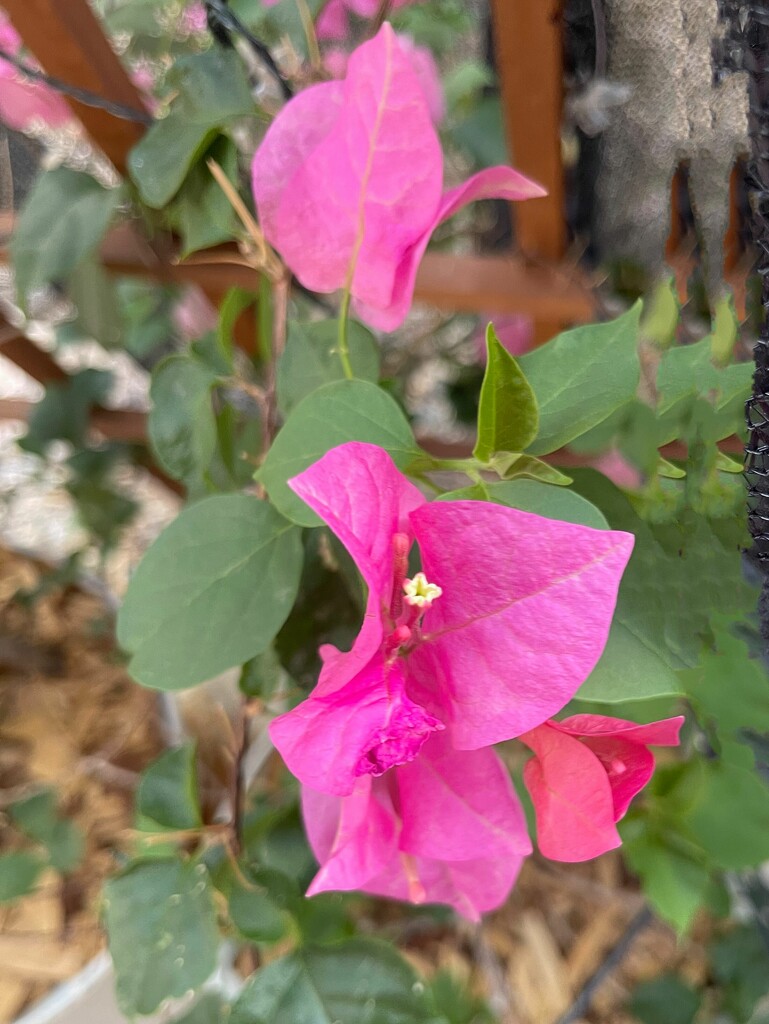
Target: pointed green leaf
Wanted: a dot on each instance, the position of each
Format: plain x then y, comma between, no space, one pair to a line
355,982
168,791
212,90
581,377
508,418
64,219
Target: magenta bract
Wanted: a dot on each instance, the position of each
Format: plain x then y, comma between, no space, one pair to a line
349,182
585,772
446,828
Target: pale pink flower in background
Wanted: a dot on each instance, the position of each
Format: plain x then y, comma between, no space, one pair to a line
349,182
333,22
194,19
23,101
616,467
335,60
514,330
585,772
193,315
445,828
464,648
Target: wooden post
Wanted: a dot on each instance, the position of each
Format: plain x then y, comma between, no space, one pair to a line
68,40
529,49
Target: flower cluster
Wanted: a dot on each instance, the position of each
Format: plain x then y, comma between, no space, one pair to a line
403,795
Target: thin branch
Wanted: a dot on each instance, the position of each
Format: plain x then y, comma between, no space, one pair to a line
84,96
581,1004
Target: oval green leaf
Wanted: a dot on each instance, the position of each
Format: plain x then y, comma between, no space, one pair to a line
211,592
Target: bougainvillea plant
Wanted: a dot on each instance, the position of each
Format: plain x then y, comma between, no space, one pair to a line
433,665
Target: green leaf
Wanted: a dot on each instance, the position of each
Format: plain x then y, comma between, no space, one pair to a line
510,467
464,83
355,982
508,418
210,1009
665,1000
678,577
93,292
252,909
235,303
181,424
482,133
63,412
37,817
726,331
729,689
168,791
730,818
201,212
661,314
349,410
629,668
454,1002
211,592
541,499
675,881
161,925
310,359
263,675
212,90
739,966
64,219
19,872
581,377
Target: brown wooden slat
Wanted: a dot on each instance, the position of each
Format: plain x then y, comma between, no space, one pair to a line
31,359
475,284
529,49
68,40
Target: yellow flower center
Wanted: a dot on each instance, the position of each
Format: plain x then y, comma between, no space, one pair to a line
419,593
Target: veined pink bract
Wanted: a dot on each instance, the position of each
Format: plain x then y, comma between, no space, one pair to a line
348,182
585,772
446,828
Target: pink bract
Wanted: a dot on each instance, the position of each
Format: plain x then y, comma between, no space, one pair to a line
24,101
478,662
446,828
333,22
335,60
348,182
585,772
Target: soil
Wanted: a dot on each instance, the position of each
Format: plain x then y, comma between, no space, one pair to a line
72,719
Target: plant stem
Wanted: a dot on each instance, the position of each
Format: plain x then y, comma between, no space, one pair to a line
342,346
309,30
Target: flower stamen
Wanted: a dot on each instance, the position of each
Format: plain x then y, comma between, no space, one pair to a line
419,593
